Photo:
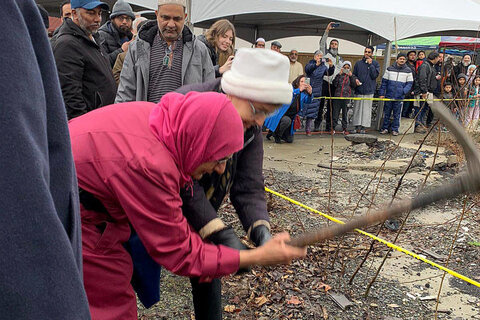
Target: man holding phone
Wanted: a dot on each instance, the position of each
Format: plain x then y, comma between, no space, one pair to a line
366,71
331,53
316,69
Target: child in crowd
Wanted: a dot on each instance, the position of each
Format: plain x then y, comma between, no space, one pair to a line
420,59
461,95
472,69
344,84
447,94
473,111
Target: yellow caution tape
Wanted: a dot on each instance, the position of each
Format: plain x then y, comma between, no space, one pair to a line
386,99
389,244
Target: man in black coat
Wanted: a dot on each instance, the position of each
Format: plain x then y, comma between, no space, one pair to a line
85,73
425,86
116,34
41,261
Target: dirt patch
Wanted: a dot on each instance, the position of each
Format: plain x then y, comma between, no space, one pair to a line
302,290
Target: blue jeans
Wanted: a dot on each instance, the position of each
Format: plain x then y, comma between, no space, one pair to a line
420,119
388,108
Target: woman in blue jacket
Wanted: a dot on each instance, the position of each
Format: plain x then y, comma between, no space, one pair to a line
316,69
280,123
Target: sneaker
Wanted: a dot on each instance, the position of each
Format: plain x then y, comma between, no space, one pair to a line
395,133
420,129
309,134
363,131
277,139
384,131
353,131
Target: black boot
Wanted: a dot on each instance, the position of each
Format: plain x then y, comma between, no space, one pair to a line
207,299
260,235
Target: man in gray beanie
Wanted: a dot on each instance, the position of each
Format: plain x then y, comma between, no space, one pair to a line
116,34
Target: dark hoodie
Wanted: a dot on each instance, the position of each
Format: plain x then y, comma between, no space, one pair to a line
111,41
85,73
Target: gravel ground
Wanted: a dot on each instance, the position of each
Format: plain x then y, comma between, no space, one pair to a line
302,290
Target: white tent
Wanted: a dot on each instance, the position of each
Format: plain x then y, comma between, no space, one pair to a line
362,21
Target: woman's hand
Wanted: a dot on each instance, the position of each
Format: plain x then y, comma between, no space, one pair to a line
309,89
275,251
227,66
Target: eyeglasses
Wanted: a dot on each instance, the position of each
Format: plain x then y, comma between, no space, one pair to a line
121,18
294,54
224,160
368,51
255,111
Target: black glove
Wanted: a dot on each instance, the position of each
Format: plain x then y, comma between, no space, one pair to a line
260,235
227,237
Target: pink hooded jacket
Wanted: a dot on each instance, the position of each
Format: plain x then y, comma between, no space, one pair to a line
136,156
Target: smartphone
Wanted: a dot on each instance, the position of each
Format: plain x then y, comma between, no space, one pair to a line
335,24
307,81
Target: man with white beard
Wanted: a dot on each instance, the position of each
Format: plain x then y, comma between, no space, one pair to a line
462,66
331,53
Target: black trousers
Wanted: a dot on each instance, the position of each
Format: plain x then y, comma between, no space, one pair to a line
339,105
283,129
328,90
207,299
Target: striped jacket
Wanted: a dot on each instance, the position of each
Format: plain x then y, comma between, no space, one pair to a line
396,82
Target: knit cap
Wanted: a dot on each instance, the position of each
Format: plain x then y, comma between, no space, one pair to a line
122,8
259,75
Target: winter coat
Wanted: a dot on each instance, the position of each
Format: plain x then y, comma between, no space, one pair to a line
316,74
213,54
245,183
367,74
247,193
473,100
426,81
418,63
344,85
111,42
85,73
460,68
118,66
414,73
273,120
396,82
121,162
196,64
41,261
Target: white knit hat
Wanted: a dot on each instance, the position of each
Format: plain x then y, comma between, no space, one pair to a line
182,3
259,75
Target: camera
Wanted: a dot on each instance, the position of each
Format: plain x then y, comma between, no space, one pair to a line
307,81
335,24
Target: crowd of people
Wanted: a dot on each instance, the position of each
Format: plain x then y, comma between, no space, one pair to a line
134,182
415,77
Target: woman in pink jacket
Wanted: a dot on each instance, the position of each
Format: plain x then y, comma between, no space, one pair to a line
133,158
